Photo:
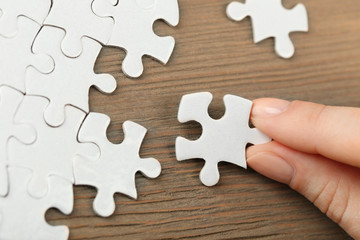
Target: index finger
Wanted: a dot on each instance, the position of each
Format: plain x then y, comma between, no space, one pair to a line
333,132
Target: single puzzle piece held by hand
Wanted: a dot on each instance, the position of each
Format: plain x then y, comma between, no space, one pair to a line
271,19
71,79
221,140
54,150
12,9
78,20
10,100
19,209
114,172
133,30
16,55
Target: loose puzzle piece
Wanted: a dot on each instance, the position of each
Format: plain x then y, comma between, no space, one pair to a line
12,9
10,100
133,30
20,210
16,55
78,20
221,140
54,150
271,19
115,170
71,79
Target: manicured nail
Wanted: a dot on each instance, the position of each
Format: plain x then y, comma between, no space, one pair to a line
271,166
269,107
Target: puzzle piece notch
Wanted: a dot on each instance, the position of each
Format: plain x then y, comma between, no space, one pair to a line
54,150
78,20
10,100
271,19
221,140
114,171
36,10
16,55
71,79
133,30
31,216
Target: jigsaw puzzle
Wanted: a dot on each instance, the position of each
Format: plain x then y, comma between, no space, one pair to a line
71,79
48,49
221,140
78,20
23,217
54,149
114,172
270,19
10,100
133,29
11,10
16,55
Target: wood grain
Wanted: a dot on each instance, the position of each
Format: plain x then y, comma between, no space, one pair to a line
217,55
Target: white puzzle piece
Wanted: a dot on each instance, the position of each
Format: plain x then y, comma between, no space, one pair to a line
10,100
114,172
133,30
78,20
16,55
12,9
54,150
221,140
71,79
271,19
23,217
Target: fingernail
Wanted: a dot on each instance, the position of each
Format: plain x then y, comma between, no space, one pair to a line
271,166
269,107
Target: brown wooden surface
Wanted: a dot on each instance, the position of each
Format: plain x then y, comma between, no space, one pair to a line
217,55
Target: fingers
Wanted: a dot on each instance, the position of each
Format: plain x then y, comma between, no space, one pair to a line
332,186
333,132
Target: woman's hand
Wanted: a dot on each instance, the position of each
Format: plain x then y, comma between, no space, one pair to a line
316,151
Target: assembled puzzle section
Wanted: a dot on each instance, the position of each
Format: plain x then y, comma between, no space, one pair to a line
54,149
47,51
71,79
270,19
16,55
221,140
114,171
10,100
23,217
12,10
78,20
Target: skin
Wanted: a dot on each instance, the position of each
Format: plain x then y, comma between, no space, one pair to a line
316,151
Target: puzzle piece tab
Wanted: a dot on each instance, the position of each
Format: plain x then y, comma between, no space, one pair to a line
11,10
19,209
221,140
78,20
16,55
71,79
114,172
133,30
54,150
271,19
10,100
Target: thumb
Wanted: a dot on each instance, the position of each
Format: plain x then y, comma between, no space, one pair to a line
332,186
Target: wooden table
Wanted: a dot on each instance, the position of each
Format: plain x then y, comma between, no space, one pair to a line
215,54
